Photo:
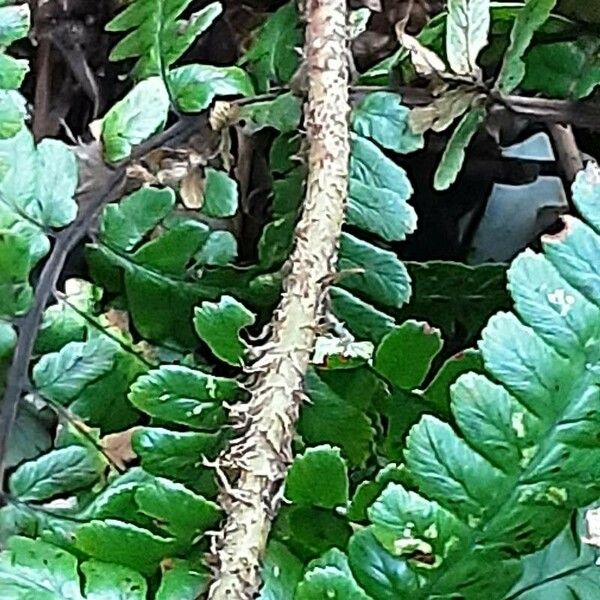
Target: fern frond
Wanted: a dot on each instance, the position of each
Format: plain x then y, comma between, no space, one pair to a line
157,37
524,453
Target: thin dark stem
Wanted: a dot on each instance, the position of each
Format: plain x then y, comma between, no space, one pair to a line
578,113
80,427
60,297
66,241
90,202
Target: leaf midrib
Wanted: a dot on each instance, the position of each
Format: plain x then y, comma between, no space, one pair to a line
582,383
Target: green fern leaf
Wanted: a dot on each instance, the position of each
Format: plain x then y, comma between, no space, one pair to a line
157,37
14,25
524,455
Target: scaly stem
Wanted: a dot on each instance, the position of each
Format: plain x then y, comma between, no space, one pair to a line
260,455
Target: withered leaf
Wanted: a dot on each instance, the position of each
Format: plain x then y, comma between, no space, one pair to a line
191,189
441,113
118,448
452,105
425,61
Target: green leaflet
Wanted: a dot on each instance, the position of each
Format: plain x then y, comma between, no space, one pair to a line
273,56
363,320
61,376
12,73
405,354
13,111
370,166
158,279
382,575
566,568
186,396
193,87
405,523
184,580
351,428
319,477
118,500
381,117
15,264
120,542
61,470
564,69
454,153
178,455
219,325
369,490
163,518
330,578
39,182
383,212
30,435
8,339
178,511
372,272
62,322
160,288
309,532
157,37
103,403
523,456
156,504
438,391
130,121
277,237
284,153
14,25
125,223
528,20
378,190
220,194
467,27
105,580
280,573
283,113
35,569
586,193
220,249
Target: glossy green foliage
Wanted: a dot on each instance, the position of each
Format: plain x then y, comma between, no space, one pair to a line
150,271
382,117
374,280
14,25
531,18
35,569
418,472
157,36
135,118
37,187
193,87
505,482
273,57
467,30
569,69
184,396
219,325
454,154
